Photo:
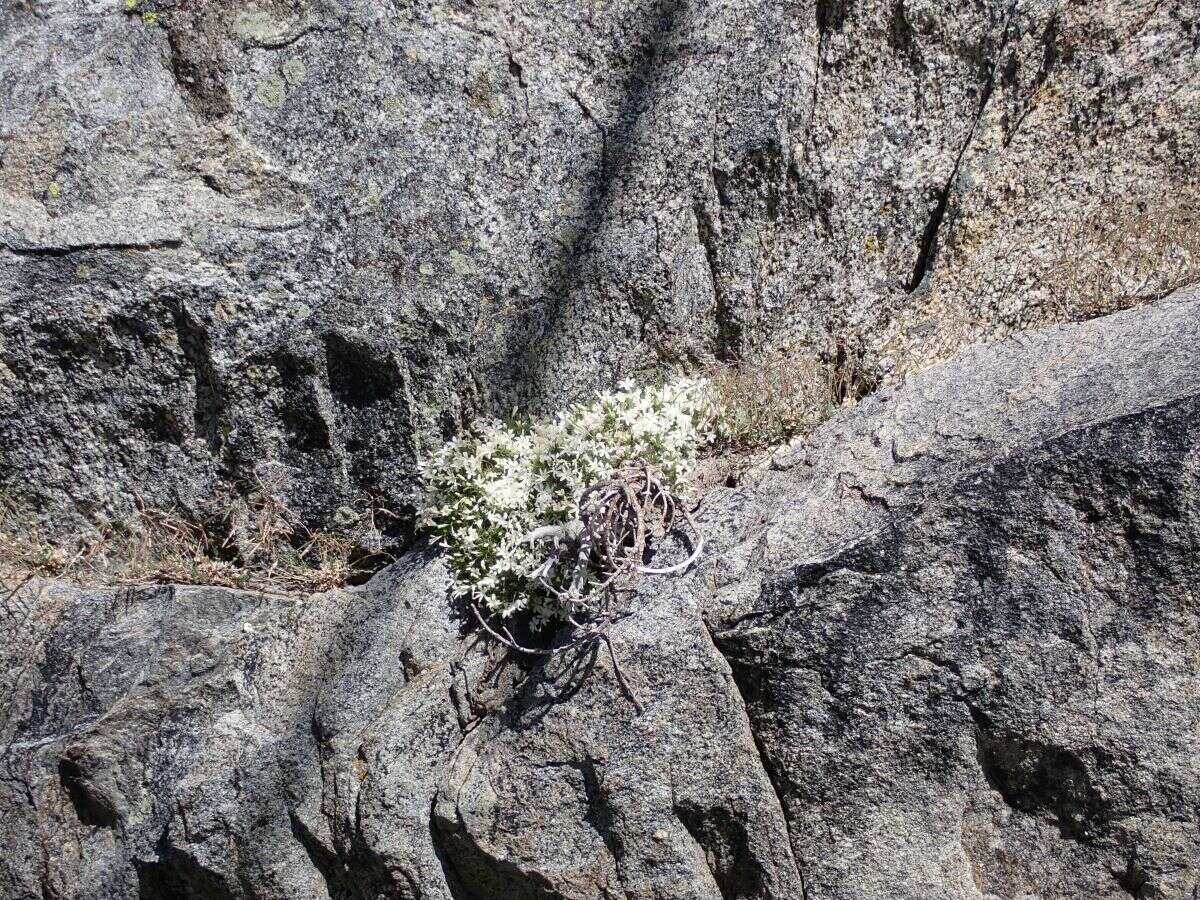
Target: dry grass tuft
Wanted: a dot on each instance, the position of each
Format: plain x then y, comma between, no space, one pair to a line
249,544
785,393
774,398
1122,255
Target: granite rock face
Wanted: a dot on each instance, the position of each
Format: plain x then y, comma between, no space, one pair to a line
944,648
296,243
967,641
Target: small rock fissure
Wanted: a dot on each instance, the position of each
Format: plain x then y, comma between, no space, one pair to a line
929,238
769,769
1136,882
1050,56
708,234
143,246
209,404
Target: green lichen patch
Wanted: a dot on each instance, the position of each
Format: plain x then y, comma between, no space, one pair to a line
254,24
481,95
293,71
461,263
271,91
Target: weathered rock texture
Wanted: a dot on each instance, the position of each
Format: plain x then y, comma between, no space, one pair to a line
947,648
299,241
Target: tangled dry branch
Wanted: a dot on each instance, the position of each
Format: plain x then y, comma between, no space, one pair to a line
618,521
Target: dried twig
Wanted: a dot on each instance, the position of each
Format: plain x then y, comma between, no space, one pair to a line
617,521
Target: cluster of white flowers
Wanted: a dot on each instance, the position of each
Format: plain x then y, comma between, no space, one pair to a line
494,485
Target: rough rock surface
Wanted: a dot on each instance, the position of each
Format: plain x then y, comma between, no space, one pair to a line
945,648
296,242
967,633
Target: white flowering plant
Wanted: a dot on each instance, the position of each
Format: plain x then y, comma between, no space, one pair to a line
492,490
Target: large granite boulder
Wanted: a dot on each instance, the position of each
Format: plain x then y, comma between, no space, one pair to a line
945,648
966,631
293,244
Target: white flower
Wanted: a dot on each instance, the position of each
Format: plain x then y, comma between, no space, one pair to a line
496,483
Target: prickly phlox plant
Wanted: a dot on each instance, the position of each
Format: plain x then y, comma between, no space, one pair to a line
544,516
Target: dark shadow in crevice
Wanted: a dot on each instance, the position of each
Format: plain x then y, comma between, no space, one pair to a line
91,807
1039,779
340,882
441,843
465,863
173,875
726,845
